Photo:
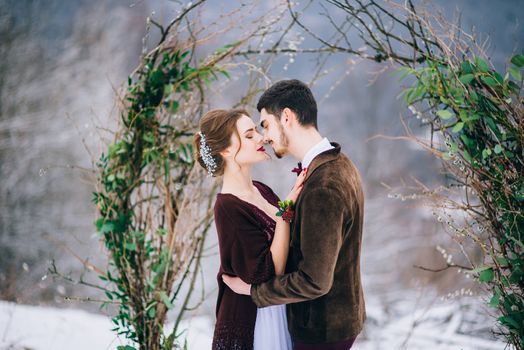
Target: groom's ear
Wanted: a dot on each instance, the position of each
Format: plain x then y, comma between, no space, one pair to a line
288,117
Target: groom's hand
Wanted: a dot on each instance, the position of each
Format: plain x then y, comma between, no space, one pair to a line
237,285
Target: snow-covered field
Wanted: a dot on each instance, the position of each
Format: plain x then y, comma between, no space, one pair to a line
445,325
24,327
458,324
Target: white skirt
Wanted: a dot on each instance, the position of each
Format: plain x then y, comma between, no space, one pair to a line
271,332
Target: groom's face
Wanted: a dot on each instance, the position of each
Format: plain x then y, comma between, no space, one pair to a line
274,133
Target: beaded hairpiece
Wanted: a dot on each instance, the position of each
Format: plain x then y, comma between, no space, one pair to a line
205,153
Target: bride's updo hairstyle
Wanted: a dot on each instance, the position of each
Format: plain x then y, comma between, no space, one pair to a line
217,127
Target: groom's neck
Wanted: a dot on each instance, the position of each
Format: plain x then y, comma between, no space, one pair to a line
302,141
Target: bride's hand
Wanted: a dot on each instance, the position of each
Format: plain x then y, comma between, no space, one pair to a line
297,188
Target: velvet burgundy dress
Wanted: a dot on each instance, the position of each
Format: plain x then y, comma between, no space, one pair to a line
245,233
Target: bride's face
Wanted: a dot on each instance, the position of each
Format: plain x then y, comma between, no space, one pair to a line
249,149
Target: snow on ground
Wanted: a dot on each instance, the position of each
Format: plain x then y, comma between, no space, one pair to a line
42,328
444,325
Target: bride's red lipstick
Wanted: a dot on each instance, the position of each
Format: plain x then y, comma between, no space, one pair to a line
261,149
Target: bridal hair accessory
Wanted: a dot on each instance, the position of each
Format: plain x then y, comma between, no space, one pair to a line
285,210
205,153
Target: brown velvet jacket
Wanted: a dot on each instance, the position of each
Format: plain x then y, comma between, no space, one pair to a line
322,284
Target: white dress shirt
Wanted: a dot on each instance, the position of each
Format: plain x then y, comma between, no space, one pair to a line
314,151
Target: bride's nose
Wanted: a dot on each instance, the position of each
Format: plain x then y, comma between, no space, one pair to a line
259,138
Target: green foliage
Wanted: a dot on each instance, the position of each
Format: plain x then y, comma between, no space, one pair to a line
480,114
150,151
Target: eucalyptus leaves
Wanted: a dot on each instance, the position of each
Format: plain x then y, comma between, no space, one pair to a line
148,189
479,113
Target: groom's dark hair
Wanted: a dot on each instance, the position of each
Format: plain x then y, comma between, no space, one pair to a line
294,95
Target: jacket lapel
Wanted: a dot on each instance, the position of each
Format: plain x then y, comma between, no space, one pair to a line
320,159
323,158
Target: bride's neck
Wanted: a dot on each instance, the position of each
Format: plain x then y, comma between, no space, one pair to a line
237,181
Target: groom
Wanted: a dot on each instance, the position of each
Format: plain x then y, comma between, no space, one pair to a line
322,285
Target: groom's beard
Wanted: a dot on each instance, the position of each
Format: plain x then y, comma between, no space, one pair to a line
283,142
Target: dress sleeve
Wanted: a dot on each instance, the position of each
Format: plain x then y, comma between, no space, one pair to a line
244,246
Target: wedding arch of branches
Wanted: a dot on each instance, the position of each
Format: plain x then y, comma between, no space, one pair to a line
154,204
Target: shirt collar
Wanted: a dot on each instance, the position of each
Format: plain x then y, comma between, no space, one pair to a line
314,151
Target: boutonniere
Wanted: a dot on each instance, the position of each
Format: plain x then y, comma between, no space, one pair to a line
285,210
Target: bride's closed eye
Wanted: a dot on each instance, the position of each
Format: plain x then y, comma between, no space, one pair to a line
250,135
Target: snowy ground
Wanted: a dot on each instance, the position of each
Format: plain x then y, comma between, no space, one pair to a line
440,325
445,325
24,327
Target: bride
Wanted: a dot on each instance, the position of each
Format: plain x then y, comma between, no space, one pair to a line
253,239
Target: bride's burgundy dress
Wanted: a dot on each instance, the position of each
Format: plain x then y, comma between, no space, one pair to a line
244,233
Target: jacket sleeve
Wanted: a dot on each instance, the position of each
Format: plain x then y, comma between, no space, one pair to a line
244,246
321,223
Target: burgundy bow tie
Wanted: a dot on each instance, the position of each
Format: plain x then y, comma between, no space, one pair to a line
298,169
